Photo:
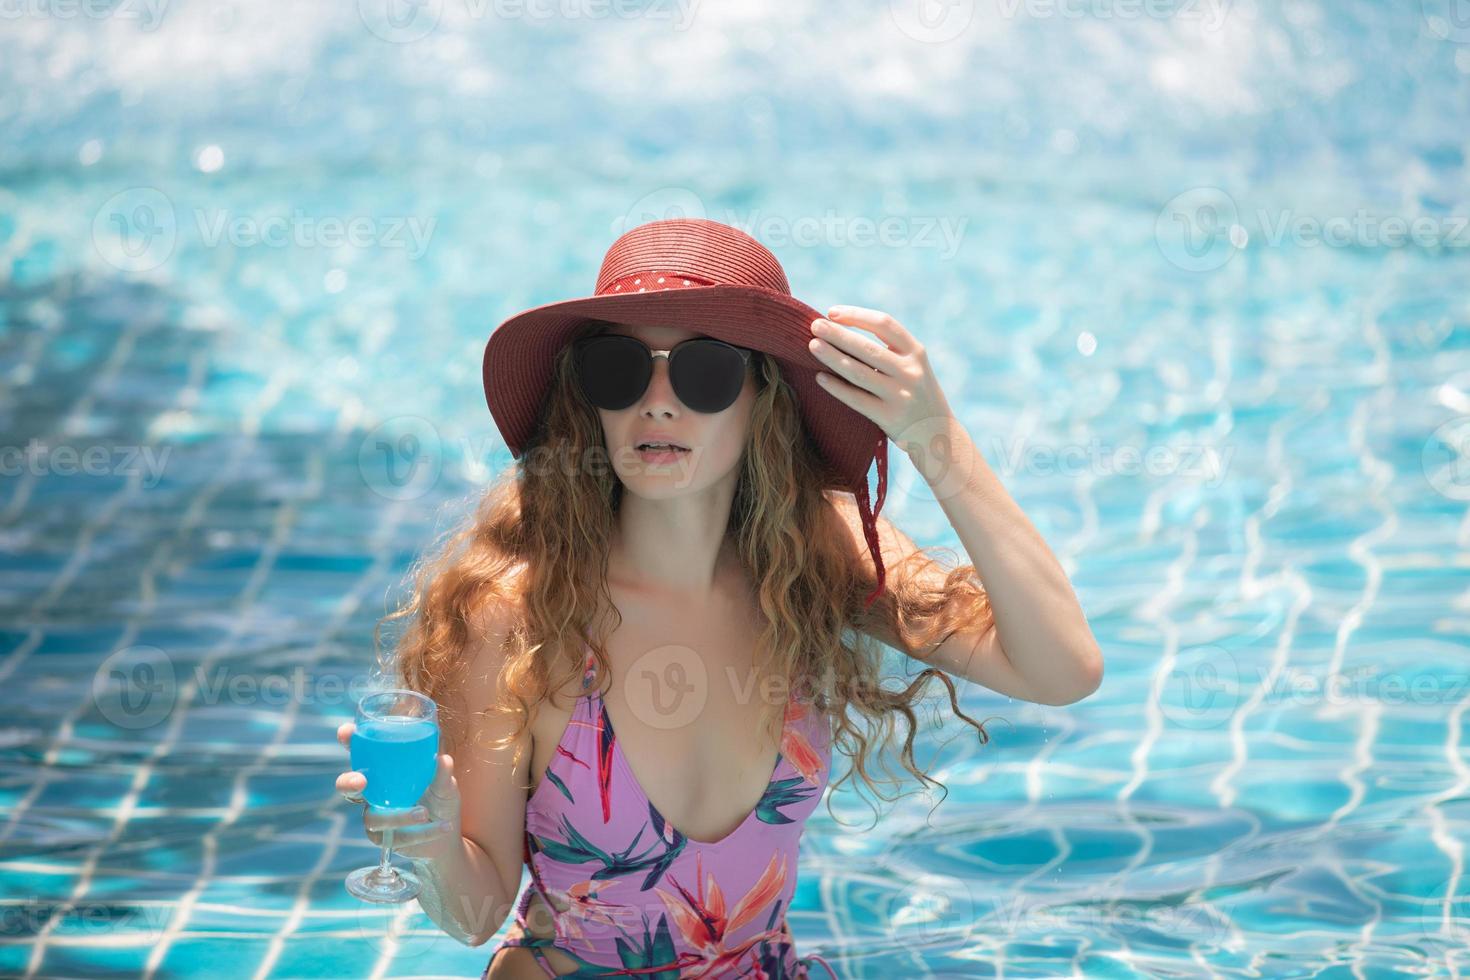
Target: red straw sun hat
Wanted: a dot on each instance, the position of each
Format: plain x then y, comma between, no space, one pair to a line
712,279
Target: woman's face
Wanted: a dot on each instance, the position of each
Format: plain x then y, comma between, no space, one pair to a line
715,440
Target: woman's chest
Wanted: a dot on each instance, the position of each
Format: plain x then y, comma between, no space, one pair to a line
696,720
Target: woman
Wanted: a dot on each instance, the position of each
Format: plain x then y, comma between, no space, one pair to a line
654,604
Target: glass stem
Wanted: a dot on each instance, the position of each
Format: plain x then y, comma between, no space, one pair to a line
385,869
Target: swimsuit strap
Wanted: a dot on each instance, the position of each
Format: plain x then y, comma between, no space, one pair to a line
825,964
589,667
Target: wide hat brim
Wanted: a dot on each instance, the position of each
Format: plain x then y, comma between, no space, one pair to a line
519,354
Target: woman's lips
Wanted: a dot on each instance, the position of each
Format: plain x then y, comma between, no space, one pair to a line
660,455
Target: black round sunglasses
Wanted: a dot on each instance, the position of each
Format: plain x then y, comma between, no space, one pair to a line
614,371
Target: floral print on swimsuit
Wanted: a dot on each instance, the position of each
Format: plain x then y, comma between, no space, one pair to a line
634,897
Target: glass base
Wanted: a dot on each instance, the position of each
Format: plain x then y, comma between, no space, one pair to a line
372,885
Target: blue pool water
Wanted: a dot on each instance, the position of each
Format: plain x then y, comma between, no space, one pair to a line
1193,276
398,759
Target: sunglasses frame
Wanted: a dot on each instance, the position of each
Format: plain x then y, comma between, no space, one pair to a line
668,354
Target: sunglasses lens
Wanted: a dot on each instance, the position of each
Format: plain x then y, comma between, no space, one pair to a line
707,375
614,371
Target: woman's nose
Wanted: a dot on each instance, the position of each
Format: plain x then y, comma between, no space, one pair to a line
660,390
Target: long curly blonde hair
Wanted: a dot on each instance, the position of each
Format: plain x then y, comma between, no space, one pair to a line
539,541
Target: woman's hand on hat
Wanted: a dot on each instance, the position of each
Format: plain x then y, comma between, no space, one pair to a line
889,379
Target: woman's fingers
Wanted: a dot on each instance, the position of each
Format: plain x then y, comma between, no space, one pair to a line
375,819
436,815
407,840
442,797
351,785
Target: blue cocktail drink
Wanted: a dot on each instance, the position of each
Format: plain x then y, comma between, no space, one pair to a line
395,745
398,757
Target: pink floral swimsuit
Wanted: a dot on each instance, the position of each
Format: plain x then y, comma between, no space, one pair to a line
634,897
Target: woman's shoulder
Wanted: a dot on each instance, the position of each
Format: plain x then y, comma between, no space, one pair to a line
496,614
500,614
